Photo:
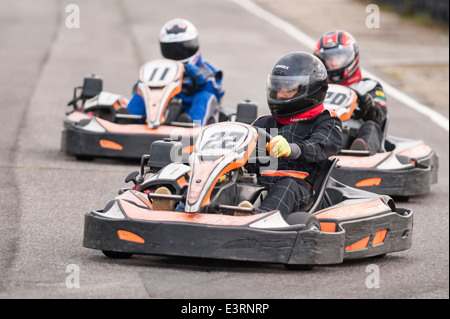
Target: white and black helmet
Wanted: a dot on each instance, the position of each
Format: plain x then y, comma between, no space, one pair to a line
179,40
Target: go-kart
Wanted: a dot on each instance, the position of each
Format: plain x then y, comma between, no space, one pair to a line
205,220
100,125
401,168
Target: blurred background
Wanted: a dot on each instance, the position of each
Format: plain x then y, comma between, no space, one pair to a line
427,11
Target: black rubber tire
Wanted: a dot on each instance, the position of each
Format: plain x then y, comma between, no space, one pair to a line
116,254
298,267
84,158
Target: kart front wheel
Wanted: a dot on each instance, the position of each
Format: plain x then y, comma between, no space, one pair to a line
116,254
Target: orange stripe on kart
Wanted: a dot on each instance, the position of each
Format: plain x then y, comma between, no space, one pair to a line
188,149
182,182
296,174
111,145
349,114
328,227
129,236
369,182
379,237
361,244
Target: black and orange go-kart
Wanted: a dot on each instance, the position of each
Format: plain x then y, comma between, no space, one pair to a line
339,223
401,168
100,124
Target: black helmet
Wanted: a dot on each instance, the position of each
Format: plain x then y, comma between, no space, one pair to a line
298,82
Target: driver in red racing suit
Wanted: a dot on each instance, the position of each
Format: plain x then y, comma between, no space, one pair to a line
307,135
339,51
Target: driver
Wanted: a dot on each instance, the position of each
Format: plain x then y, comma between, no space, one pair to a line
202,84
307,135
339,52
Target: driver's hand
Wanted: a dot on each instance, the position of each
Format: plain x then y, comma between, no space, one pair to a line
366,102
194,72
278,147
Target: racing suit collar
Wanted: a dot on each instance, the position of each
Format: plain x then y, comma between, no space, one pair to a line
302,116
196,60
354,78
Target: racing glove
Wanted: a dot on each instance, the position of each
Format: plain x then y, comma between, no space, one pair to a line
278,147
194,73
366,102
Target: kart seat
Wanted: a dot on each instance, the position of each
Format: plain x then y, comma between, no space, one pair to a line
320,185
248,192
92,86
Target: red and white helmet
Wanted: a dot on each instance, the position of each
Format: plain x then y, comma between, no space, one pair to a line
338,50
179,41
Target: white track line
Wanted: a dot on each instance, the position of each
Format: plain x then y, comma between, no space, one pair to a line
307,41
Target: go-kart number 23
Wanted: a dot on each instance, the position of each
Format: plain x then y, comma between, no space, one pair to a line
222,140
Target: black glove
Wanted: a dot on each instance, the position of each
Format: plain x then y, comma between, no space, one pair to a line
366,102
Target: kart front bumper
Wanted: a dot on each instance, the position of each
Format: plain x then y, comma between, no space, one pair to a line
289,245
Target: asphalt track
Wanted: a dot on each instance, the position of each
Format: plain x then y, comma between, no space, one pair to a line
44,193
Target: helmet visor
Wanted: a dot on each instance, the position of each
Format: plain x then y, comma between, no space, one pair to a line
179,50
282,88
338,58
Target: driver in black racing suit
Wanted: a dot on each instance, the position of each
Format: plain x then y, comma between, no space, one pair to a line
306,134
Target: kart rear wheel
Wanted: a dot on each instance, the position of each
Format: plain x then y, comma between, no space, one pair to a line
116,254
85,158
